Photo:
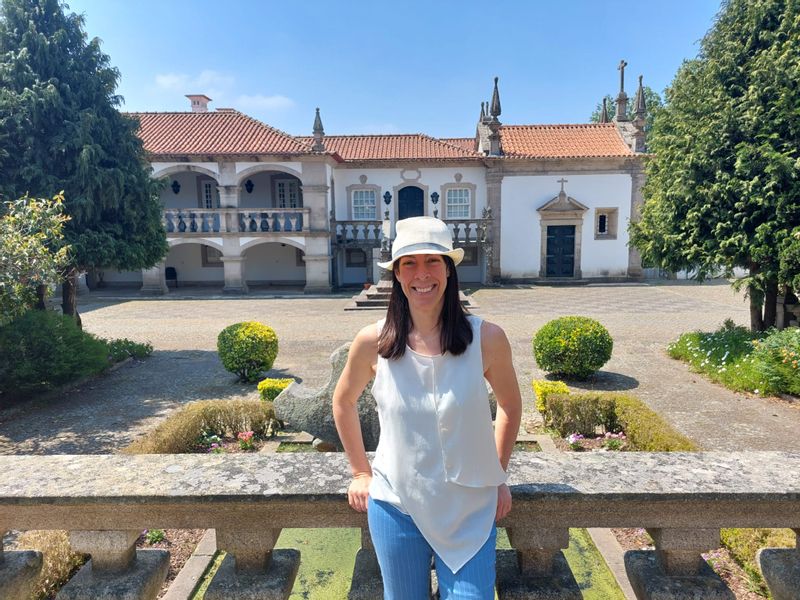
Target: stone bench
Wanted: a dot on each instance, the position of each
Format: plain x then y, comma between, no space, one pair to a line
682,499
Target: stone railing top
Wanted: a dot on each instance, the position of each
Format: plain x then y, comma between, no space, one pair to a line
68,479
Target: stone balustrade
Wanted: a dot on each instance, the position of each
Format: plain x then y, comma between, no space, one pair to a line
191,221
682,499
356,233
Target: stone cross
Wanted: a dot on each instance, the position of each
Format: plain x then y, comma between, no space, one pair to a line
562,181
621,68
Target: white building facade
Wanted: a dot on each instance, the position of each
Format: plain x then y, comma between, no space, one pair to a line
246,205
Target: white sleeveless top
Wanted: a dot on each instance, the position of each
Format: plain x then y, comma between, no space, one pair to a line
436,458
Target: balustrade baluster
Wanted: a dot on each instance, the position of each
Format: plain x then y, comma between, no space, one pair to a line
252,570
169,225
19,571
536,567
264,223
117,569
287,224
204,226
181,223
276,226
676,561
781,569
192,222
366,583
253,226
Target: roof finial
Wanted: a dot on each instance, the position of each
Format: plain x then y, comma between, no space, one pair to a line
641,106
494,109
319,134
622,97
604,112
483,111
562,181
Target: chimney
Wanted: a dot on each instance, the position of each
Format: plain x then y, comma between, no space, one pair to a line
199,102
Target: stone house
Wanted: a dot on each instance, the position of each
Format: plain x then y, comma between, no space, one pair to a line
248,205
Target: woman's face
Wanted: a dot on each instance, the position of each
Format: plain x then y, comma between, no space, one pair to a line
423,278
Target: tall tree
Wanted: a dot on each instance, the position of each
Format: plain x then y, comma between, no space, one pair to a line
722,188
652,100
60,130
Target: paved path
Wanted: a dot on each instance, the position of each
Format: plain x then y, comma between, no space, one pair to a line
109,412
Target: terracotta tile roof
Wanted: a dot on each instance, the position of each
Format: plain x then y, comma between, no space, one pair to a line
224,131
467,144
393,147
592,140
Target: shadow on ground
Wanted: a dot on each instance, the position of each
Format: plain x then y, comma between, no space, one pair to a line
106,413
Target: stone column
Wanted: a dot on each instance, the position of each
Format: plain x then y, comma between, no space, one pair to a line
536,567
494,184
367,583
153,281
233,271
781,569
19,571
252,570
318,265
315,194
634,257
116,569
676,563
228,186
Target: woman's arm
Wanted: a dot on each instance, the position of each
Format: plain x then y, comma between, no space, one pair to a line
499,372
356,375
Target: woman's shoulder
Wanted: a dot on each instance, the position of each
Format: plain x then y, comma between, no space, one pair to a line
367,337
491,334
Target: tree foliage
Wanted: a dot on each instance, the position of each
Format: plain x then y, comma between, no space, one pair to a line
722,187
32,252
61,130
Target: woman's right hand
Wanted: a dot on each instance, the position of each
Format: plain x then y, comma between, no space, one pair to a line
358,492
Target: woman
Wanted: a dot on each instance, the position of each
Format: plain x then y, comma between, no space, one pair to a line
437,483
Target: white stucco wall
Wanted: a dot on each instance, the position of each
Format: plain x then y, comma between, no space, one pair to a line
187,262
273,263
521,228
388,179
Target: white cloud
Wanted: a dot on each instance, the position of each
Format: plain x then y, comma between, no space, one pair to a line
172,81
206,82
262,102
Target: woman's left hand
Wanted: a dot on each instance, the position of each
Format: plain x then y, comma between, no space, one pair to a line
503,501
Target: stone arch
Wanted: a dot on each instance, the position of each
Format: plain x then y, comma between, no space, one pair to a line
173,242
276,240
187,168
265,167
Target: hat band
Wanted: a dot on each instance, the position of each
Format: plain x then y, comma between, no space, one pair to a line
415,248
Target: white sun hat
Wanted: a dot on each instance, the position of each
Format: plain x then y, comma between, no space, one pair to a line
423,235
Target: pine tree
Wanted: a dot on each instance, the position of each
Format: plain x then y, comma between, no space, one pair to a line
60,129
723,188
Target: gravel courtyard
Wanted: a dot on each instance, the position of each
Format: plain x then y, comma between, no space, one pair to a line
107,413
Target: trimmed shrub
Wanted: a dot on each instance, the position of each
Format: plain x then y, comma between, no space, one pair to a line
41,350
574,346
270,388
542,388
644,428
247,349
181,432
581,413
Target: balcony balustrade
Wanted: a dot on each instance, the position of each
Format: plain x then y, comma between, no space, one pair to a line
465,232
682,499
250,221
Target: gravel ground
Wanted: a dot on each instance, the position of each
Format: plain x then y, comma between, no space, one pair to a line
106,413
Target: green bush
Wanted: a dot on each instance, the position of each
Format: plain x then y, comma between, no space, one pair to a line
573,346
247,349
41,350
644,428
777,358
270,388
181,432
542,388
119,350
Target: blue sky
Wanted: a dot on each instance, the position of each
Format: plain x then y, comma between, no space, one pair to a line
401,67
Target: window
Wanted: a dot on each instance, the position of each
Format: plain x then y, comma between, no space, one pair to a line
208,194
364,205
458,203
605,223
355,257
287,193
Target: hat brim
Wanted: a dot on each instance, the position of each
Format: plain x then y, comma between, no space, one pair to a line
457,254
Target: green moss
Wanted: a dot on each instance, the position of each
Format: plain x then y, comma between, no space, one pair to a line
205,580
591,572
295,447
327,557
744,543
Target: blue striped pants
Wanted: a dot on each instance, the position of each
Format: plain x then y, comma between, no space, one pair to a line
404,557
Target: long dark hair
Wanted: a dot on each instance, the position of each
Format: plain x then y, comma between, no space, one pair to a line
455,331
